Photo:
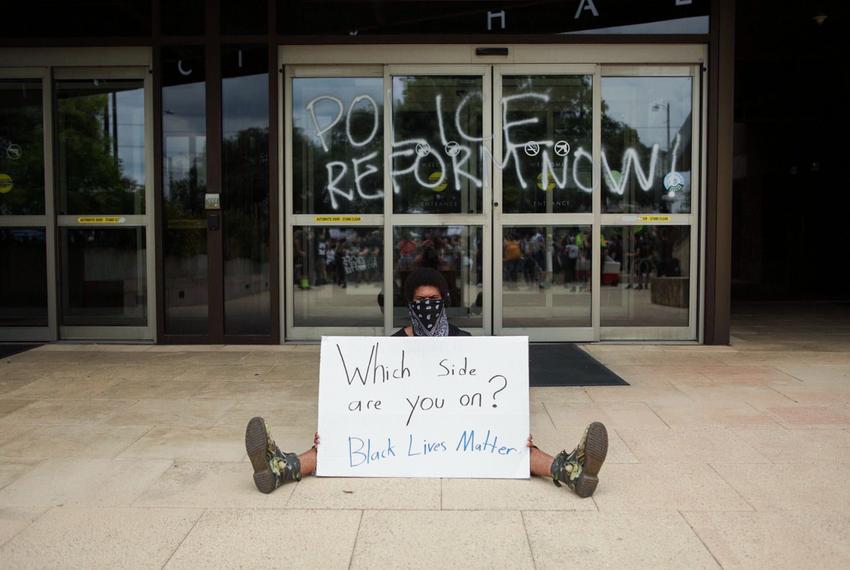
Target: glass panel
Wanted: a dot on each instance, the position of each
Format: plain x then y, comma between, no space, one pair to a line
183,17
646,276
338,276
21,147
547,138
437,145
184,240
546,272
103,276
240,17
23,277
245,190
457,252
337,145
646,144
100,141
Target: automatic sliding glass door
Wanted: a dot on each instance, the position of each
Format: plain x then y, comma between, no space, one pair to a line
649,212
102,176
544,206
559,200
27,302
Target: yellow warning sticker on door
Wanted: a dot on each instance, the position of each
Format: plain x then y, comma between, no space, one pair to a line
101,220
336,219
654,218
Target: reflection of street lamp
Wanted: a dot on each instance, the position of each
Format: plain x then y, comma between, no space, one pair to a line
658,107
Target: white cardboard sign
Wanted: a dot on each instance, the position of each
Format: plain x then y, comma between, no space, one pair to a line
424,407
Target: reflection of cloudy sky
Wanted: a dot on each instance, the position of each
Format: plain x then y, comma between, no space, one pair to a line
184,119
631,100
245,101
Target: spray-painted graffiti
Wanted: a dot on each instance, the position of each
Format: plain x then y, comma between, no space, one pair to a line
558,165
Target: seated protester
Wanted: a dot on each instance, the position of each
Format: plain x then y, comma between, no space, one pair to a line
426,291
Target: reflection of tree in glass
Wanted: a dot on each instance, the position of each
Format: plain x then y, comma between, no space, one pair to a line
245,196
567,115
310,172
21,124
415,117
90,170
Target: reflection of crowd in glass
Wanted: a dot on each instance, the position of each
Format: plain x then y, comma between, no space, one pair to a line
435,248
337,256
524,254
650,254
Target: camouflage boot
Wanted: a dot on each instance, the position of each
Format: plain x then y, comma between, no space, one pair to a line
579,468
272,467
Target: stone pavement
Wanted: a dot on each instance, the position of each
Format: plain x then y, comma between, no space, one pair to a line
132,456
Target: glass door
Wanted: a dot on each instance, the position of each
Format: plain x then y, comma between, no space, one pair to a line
544,259
440,175
560,200
27,301
102,173
649,202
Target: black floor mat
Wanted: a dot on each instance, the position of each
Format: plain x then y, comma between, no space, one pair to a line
7,350
566,364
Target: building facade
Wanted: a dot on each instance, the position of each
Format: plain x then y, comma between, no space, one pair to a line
266,172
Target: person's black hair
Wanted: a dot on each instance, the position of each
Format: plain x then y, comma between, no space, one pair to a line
425,276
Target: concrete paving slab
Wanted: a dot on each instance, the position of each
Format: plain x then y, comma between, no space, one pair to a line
269,539
801,539
202,373
7,405
218,443
713,414
690,446
826,446
531,494
99,538
78,440
64,388
615,540
82,482
172,412
67,412
11,469
222,485
673,487
442,539
801,416
626,415
14,520
794,485
365,493
151,389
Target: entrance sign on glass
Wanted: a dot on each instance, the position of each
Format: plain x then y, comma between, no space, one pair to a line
458,153
417,407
